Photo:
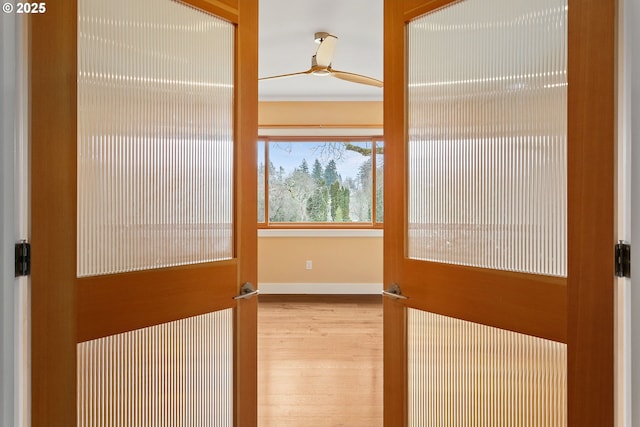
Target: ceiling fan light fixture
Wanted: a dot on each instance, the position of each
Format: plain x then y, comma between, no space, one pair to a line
320,36
321,72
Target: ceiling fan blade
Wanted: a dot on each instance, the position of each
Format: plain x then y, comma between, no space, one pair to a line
286,75
324,54
356,78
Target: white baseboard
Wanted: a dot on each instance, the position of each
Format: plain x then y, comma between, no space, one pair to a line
321,288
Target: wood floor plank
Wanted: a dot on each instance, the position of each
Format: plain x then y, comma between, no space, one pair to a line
320,361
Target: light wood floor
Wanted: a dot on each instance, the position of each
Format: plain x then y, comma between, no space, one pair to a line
320,361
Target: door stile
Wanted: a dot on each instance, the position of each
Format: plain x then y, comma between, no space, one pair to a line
394,326
246,363
395,362
53,104
591,233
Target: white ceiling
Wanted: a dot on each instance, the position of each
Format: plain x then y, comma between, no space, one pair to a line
286,45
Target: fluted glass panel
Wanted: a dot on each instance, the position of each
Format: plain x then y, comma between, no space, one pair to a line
155,135
487,126
464,374
174,374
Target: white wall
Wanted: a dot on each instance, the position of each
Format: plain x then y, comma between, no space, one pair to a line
14,222
623,356
343,261
631,23
8,38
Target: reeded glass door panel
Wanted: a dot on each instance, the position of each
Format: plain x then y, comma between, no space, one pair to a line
174,374
487,126
155,136
467,374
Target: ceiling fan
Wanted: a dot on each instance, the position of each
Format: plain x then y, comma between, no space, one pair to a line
321,63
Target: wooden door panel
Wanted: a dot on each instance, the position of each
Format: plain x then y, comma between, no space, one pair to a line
578,309
68,310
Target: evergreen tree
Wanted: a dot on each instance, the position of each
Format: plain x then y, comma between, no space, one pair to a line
361,192
339,202
344,204
272,170
330,174
304,167
339,217
364,173
334,191
317,173
318,205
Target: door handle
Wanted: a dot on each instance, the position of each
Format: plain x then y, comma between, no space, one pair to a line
247,291
394,292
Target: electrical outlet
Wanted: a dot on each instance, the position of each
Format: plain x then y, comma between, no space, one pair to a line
309,264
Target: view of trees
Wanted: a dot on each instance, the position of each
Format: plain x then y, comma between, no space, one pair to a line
329,184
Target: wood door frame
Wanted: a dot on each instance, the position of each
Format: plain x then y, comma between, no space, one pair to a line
53,103
591,146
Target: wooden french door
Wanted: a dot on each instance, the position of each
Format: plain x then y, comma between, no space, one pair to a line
70,307
571,308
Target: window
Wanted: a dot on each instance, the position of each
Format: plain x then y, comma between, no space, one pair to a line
313,181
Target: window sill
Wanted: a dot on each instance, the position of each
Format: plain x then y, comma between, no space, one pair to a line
314,232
